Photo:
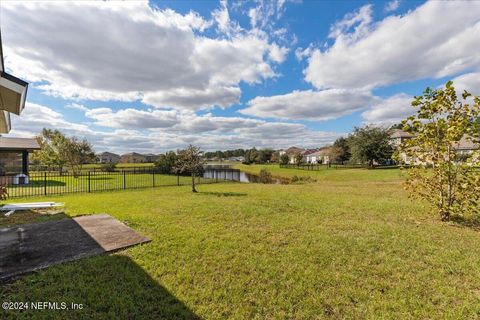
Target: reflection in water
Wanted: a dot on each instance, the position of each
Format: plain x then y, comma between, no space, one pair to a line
225,172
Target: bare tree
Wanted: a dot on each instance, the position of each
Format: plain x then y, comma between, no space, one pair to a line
191,161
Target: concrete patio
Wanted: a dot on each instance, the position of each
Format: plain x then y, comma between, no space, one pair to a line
31,247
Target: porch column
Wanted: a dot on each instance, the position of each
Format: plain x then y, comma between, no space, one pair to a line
25,162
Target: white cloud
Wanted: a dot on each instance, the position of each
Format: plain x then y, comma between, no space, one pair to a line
35,117
76,106
310,105
277,53
433,41
469,82
128,50
132,118
392,6
184,98
265,13
355,24
128,130
390,111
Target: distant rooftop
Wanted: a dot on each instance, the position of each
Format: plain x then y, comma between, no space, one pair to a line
397,133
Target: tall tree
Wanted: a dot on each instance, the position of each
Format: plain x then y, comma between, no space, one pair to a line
442,175
370,144
342,150
190,161
166,162
58,150
298,157
284,159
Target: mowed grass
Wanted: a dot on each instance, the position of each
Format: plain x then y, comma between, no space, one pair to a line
54,183
349,246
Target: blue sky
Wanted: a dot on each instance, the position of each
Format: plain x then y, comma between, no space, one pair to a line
155,76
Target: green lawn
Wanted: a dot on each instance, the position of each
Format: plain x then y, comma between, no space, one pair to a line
53,183
348,246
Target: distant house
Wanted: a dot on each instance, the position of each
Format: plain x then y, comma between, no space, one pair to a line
108,157
397,137
133,157
466,146
291,153
237,159
320,156
151,157
305,153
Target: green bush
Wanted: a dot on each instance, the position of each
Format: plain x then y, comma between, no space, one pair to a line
265,176
108,167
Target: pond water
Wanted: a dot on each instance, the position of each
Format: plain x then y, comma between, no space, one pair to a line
228,173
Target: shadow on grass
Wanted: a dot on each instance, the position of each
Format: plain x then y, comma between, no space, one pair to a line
223,194
41,183
467,222
385,167
107,286
100,178
30,216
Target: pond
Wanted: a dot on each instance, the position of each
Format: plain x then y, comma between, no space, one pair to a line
225,171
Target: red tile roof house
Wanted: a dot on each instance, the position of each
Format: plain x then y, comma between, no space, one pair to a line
13,151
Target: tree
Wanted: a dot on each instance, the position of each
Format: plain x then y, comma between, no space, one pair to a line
190,161
334,154
50,144
443,176
274,157
251,156
284,159
370,144
298,158
59,150
342,150
166,162
264,155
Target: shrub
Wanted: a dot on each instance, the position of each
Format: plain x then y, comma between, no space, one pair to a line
3,193
265,176
441,123
108,167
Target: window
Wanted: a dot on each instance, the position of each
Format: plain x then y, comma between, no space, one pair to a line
10,162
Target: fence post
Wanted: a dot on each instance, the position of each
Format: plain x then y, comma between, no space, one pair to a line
153,178
88,181
178,179
45,183
124,180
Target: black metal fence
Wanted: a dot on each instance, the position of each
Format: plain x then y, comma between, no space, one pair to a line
47,183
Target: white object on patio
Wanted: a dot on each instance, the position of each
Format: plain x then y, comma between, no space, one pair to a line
12,207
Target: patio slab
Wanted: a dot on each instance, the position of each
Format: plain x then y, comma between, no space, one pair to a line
35,246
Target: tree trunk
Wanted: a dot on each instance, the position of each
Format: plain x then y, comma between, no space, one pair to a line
445,215
193,183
